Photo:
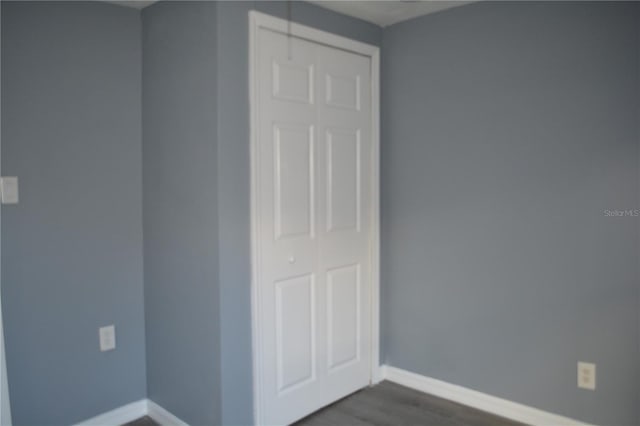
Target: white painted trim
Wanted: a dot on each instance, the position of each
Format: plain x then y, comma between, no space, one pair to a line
259,20
133,411
482,401
5,407
118,416
376,376
256,340
163,416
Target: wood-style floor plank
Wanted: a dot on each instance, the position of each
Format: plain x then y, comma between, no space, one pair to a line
389,404
142,421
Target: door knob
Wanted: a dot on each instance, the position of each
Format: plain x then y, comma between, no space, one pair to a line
292,259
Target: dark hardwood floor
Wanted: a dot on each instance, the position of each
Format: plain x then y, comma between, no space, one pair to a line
389,404
142,421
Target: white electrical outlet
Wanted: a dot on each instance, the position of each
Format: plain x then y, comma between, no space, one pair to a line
586,375
9,190
107,338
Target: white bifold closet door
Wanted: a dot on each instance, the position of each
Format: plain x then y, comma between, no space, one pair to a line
315,224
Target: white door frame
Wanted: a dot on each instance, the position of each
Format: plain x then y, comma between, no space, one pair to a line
259,20
5,408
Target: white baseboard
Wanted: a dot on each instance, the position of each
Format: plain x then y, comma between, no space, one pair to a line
133,411
118,416
163,416
490,404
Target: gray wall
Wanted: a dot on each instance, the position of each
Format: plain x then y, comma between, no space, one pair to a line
508,129
75,68
180,208
72,248
234,187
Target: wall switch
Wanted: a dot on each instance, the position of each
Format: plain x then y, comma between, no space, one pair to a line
586,375
9,190
107,338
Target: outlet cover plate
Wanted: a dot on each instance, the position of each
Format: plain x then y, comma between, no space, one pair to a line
586,375
107,338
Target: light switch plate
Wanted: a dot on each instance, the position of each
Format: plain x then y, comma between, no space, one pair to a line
9,189
107,338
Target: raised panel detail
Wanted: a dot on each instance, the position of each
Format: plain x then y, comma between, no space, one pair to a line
295,331
343,310
343,92
294,182
293,82
343,176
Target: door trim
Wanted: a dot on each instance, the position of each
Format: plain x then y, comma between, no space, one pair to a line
257,21
5,406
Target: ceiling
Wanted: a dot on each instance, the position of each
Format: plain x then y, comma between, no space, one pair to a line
385,13
382,13
138,4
